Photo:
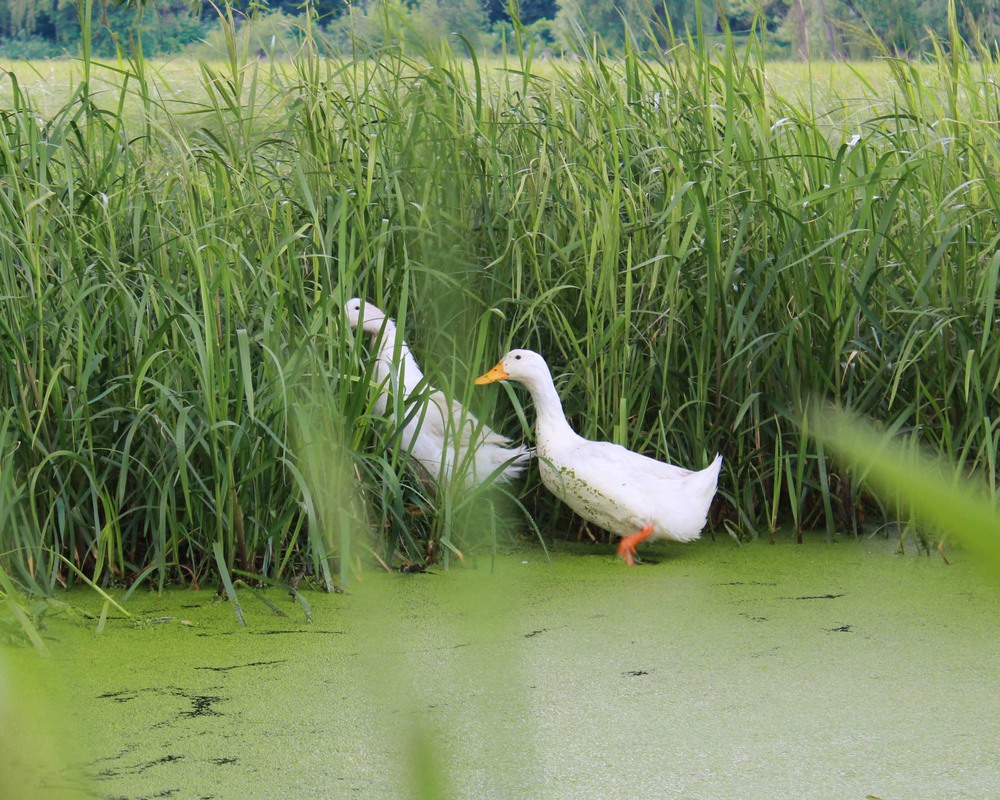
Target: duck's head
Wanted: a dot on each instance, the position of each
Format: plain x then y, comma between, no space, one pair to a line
369,315
523,366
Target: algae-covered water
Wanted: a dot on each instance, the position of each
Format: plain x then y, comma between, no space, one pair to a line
787,671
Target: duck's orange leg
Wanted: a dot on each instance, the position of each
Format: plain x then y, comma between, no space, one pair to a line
626,547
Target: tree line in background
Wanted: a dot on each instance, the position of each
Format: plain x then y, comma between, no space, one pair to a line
797,29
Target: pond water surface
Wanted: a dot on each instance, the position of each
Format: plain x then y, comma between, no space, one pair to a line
790,671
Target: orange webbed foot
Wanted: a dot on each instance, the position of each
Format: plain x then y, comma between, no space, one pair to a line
626,547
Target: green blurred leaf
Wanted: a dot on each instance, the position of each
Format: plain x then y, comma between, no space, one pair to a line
939,494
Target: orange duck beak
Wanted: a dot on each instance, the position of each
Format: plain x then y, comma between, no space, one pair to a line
498,373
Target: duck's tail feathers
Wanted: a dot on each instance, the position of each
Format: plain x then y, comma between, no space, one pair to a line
512,461
490,436
693,517
710,476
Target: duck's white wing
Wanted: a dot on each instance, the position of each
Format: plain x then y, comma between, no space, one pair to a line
465,440
449,419
614,487
608,459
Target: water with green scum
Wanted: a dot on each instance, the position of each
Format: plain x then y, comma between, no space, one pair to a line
787,671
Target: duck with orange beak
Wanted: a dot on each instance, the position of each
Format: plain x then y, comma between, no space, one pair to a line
629,494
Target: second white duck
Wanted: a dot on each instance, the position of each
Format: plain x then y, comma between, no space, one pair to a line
439,433
631,495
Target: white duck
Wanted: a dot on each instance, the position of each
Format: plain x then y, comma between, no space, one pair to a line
629,494
440,434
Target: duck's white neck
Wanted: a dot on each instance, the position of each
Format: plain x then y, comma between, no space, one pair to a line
394,353
550,420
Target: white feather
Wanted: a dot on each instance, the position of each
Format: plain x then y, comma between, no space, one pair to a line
605,483
444,437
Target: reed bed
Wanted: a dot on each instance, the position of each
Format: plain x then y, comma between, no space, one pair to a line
697,253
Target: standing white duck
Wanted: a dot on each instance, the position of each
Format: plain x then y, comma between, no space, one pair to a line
629,494
440,434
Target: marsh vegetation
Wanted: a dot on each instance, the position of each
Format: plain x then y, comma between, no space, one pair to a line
698,241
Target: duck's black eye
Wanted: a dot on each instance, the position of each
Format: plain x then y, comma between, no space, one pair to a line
517,358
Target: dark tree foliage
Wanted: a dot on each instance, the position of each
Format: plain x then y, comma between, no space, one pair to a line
529,11
741,14
804,28
324,9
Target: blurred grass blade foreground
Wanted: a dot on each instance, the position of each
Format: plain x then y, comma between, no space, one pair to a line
939,495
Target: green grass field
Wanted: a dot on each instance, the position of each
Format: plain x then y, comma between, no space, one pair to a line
699,245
